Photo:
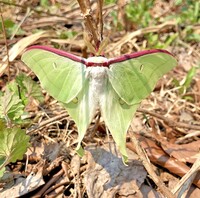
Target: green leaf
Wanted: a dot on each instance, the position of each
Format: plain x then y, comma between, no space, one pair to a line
67,34
191,73
193,37
8,23
13,144
17,95
44,3
2,171
29,89
188,80
11,27
11,107
110,1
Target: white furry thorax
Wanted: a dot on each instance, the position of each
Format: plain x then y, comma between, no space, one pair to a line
96,72
98,77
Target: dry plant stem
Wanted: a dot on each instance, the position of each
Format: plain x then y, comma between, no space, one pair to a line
28,12
49,183
21,44
89,20
196,52
189,135
130,36
187,179
169,122
96,124
100,6
65,180
54,164
46,122
77,182
150,170
6,43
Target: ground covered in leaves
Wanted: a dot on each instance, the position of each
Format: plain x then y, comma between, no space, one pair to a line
166,124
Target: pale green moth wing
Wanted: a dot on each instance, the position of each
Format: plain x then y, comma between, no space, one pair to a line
60,76
131,79
135,78
64,79
117,116
82,109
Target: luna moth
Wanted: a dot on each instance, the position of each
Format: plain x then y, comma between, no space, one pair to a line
116,86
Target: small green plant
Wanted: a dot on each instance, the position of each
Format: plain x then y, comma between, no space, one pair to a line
67,34
44,3
185,84
189,13
115,20
15,98
13,144
160,42
8,23
13,140
189,35
11,27
138,12
110,1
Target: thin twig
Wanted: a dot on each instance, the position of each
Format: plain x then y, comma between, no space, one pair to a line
89,20
100,7
46,122
143,156
53,180
184,184
28,12
129,36
6,43
189,135
169,122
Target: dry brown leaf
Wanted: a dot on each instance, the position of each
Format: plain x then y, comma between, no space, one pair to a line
107,176
193,192
23,185
184,184
75,164
184,152
21,45
148,192
158,156
36,151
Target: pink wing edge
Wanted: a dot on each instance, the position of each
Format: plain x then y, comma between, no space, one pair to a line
106,64
58,52
137,54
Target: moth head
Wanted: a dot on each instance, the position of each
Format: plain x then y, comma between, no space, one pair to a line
97,61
